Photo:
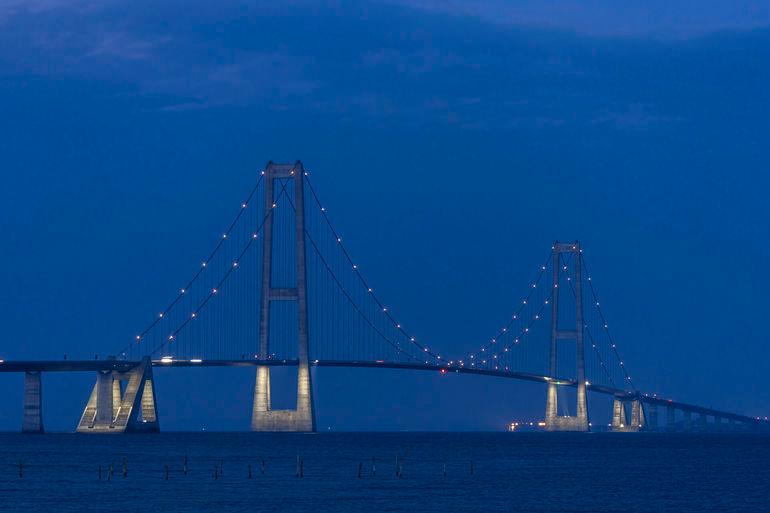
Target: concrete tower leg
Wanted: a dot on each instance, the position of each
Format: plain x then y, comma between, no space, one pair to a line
618,415
104,397
33,403
554,422
582,396
117,395
552,399
110,409
264,418
149,408
637,415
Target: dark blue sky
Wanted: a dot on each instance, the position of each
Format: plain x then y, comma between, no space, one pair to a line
451,144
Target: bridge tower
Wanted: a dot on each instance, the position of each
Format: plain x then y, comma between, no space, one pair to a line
578,422
302,418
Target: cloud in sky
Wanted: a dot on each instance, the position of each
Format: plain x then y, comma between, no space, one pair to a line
660,18
348,60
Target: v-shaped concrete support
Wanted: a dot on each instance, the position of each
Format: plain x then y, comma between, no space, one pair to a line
117,408
620,421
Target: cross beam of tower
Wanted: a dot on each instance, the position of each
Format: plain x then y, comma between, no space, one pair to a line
302,418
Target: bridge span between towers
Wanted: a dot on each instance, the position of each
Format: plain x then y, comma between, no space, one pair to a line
280,288
651,402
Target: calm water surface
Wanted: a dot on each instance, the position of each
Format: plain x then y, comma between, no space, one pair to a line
528,472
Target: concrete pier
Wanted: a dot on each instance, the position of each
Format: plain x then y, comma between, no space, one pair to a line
652,410
620,420
687,423
117,408
702,422
302,418
33,403
670,418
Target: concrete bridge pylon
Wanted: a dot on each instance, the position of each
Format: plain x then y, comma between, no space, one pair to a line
122,402
553,421
264,417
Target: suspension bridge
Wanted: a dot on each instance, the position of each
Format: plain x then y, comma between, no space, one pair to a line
280,288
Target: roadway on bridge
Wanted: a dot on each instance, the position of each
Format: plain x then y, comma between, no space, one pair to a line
125,365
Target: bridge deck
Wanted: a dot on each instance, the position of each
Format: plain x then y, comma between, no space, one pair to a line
125,365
